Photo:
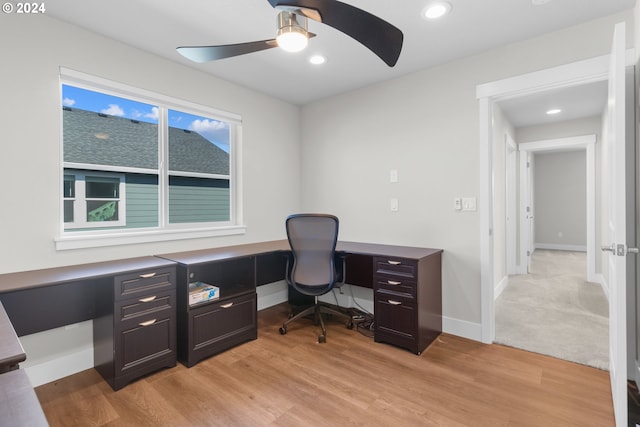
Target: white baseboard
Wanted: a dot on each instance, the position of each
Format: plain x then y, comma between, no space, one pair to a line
60,367
561,247
605,286
462,328
500,287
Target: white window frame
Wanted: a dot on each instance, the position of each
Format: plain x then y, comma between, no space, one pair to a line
164,231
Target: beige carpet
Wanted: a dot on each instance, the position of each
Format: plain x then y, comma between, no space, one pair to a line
555,311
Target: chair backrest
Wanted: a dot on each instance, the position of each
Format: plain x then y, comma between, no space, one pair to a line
313,239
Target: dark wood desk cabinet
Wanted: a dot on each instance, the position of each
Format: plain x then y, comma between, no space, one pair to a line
134,332
407,301
211,327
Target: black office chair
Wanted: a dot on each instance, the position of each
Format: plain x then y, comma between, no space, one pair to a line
312,267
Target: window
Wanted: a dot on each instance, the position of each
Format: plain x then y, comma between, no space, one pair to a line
138,162
93,200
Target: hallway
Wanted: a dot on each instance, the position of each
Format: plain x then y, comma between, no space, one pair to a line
555,311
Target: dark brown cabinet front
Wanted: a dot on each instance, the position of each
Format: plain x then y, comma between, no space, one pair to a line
407,301
135,333
219,326
211,327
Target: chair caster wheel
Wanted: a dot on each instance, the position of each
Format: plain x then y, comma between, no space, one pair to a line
322,339
350,325
283,330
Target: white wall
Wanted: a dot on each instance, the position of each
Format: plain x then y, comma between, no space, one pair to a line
333,156
561,200
426,125
31,139
30,116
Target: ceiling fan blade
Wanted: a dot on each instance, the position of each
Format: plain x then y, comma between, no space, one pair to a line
212,53
379,36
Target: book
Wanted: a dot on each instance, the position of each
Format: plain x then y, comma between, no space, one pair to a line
202,292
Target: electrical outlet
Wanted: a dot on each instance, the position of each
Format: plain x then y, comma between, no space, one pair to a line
393,175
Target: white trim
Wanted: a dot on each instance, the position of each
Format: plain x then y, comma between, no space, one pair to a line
125,237
164,231
584,142
91,82
561,247
462,328
485,211
590,70
511,203
502,285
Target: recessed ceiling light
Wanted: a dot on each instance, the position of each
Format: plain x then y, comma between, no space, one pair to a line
437,9
539,2
317,59
554,111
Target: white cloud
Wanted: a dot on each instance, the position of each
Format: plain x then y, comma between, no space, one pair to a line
68,102
153,115
113,110
213,130
207,126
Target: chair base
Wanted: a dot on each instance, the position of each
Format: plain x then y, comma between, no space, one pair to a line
318,310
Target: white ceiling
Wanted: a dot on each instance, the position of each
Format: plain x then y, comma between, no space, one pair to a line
159,26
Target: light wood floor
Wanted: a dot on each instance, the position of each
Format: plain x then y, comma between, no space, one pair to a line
292,380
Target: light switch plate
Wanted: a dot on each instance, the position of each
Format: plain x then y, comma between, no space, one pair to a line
394,205
469,204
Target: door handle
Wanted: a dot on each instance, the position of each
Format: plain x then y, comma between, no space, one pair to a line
633,250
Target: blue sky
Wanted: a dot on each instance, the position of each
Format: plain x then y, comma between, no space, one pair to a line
215,131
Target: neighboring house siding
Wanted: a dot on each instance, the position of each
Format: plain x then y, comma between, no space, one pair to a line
198,200
142,201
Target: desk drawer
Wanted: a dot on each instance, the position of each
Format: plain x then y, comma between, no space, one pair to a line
135,307
395,284
395,267
144,283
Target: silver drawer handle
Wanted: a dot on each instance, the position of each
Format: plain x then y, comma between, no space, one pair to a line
147,299
392,302
394,262
393,282
146,276
226,305
147,323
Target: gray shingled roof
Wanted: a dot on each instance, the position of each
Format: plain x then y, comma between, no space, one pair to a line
135,144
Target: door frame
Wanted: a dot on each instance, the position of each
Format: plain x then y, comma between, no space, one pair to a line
577,143
511,205
574,74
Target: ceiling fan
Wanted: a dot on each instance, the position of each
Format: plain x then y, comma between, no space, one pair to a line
379,36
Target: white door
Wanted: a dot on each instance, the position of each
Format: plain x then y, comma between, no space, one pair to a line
526,211
616,239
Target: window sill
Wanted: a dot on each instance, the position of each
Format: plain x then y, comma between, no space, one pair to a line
94,240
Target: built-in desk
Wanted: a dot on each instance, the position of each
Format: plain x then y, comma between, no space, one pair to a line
407,284
118,295
11,351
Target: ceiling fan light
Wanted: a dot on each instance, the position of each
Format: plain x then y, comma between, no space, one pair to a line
290,40
291,36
